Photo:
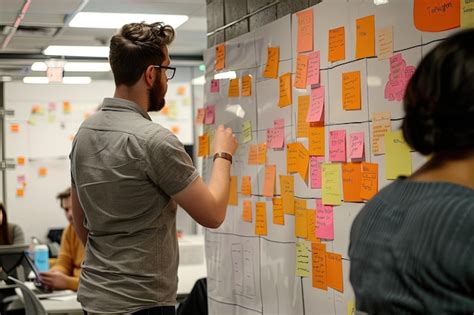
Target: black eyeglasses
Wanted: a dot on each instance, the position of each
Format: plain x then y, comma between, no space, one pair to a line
169,71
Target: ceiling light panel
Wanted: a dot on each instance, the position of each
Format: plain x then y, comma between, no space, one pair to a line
78,51
117,20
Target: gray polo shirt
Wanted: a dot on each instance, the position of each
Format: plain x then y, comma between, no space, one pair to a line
125,168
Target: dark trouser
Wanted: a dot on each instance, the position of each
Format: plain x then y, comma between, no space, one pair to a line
196,302
159,310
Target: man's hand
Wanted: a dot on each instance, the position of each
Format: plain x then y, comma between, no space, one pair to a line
224,140
54,279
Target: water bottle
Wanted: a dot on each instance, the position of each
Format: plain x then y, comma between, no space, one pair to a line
41,257
31,249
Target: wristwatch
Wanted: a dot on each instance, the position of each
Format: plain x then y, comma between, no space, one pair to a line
223,155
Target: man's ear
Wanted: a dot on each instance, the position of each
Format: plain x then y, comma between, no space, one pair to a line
149,75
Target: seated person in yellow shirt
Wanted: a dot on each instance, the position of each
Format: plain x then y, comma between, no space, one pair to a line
65,273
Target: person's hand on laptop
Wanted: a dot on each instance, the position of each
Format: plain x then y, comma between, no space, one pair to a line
54,279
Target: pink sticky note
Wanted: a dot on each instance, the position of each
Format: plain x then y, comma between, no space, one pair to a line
313,68
324,221
398,79
210,114
270,132
316,107
356,145
21,179
214,86
315,170
278,133
337,146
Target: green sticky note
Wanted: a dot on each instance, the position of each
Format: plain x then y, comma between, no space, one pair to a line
247,131
397,155
302,259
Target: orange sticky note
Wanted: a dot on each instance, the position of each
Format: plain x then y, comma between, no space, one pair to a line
292,157
305,30
15,128
334,271
246,187
220,57
269,182
285,90
287,192
201,114
370,179
273,58
316,140
302,161
301,71
303,125
351,181
20,160
301,226
351,90
234,87
365,37
436,15
337,44
319,266
260,218
311,222
203,149
233,191
381,124
247,85
20,192
278,214
42,171
247,211
262,153
253,154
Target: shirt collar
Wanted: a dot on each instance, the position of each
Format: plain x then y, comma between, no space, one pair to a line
123,105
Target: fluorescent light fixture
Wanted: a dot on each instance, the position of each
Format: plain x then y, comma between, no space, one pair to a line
66,80
6,78
225,75
39,66
378,2
36,80
87,66
117,20
79,51
198,81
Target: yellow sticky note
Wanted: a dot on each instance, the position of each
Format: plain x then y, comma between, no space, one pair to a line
301,226
397,155
287,192
260,218
247,85
337,44
311,223
269,182
278,214
316,140
42,171
303,125
331,184
351,90
301,71
203,149
334,271
262,153
385,39
302,259
246,187
247,211
351,307
285,90
381,124
234,87
247,131
319,266
365,37
233,191
220,57
271,67
467,13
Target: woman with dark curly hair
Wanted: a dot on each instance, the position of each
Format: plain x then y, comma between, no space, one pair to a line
9,233
412,245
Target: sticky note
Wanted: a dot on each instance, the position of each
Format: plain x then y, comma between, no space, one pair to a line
314,64
356,145
234,87
303,106
324,221
365,37
247,211
311,225
319,280
337,44
381,124
20,160
316,107
351,307
334,271
301,227
15,128
302,259
66,107
247,85
42,171
203,149
297,159
351,90
21,180
352,181
287,192
262,153
210,114
337,145
260,218
370,179
252,154
331,185
201,114
20,192
246,131
397,156
276,135
315,171
269,181
271,67
285,90
385,40
467,13
305,30
278,214
436,16
398,78
316,140
233,191
220,57
246,188
301,71
215,86
292,157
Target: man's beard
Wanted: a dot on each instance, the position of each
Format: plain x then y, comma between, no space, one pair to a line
155,105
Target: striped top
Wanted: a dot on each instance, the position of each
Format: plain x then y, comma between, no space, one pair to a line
412,250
